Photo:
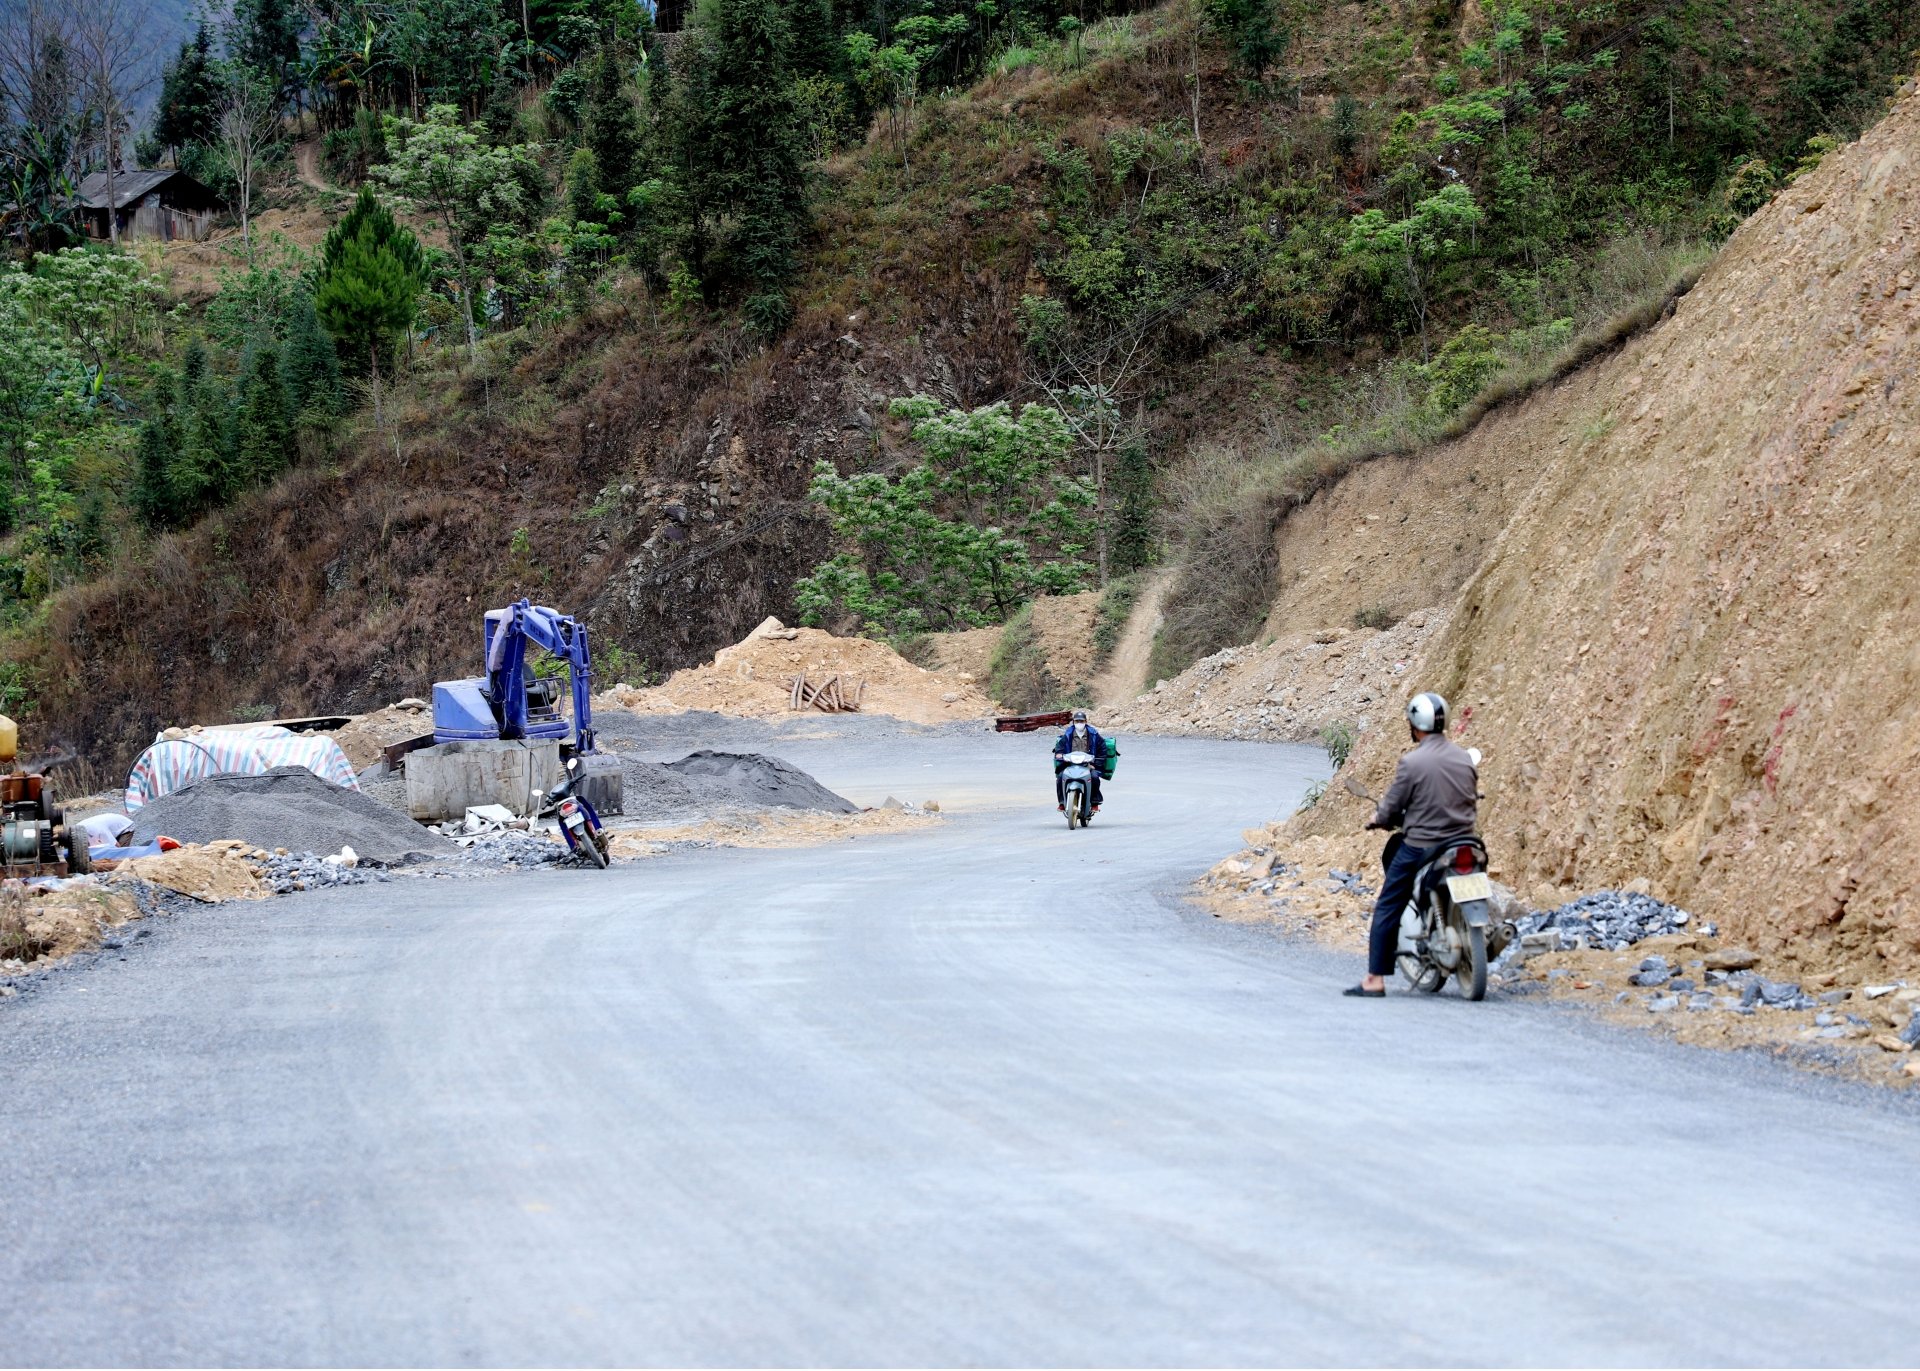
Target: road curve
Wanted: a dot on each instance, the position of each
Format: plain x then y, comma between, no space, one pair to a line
983,1094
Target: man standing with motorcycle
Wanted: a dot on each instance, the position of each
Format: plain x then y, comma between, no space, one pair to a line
1434,797
1079,736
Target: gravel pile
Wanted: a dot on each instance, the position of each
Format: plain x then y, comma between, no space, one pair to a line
756,781
515,848
1610,919
288,807
307,871
653,791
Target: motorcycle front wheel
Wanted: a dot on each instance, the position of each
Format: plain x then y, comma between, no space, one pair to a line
1422,976
1474,983
1073,812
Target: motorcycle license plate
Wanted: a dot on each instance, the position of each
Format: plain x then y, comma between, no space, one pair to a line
1472,887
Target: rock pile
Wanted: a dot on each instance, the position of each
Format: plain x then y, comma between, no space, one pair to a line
1289,690
284,873
1609,919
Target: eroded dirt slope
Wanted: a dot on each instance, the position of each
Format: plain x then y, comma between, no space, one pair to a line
1691,654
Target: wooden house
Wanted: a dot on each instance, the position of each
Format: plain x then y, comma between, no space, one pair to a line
149,204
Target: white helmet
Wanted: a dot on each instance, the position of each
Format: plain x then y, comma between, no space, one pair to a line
1427,712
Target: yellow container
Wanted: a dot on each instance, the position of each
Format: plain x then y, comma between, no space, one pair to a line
9,741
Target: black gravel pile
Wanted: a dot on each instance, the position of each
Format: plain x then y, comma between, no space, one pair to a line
1611,919
753,780
288,807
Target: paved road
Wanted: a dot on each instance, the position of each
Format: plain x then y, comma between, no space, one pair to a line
986,1094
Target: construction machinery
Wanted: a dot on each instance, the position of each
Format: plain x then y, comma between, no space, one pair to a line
510,702
33,831
505,737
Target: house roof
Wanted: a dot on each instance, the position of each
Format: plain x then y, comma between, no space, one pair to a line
129,186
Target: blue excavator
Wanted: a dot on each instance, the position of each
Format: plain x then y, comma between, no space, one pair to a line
509,702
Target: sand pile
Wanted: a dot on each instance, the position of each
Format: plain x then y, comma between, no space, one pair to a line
366,737
37,922
1289,690
754,678
288,807
1689,654
211,872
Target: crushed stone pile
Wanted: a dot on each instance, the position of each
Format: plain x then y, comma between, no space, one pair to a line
754,678
284,874
751,780
291,808
653,790
1289,690
515,848
1610,919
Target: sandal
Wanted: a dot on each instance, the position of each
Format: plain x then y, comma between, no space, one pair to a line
1361,992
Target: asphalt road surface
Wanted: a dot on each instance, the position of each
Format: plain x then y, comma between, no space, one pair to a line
984,1094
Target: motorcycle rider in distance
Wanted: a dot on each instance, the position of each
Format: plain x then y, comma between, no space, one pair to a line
1079,736
1434,798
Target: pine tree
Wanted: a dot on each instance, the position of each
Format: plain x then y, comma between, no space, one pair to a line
741,157
198,472
189,111
371,272
374,221
153,492
90,538
264,428
815,48
310,368
613,125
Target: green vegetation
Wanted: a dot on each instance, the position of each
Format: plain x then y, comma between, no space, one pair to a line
994,516
1338,739
1110,622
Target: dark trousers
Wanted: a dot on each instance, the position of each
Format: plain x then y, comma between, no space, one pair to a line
1396,888
1060,789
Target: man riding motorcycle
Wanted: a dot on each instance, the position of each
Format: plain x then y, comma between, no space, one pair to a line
1080,736
1434,797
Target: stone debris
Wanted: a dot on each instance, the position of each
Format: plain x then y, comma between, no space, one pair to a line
1290,689
1612,920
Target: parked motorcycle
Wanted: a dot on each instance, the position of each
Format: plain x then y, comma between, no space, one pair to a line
1448,928
1076,777
579,825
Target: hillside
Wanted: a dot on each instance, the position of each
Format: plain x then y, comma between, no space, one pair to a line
1132,206
1688,654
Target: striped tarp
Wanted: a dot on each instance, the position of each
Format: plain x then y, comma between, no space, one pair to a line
173,763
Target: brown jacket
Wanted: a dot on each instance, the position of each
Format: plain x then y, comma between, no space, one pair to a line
1434,793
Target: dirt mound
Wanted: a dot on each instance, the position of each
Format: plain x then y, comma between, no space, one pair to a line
751,779
754,677
366,736
965,654
1289,690
287,807
1689,655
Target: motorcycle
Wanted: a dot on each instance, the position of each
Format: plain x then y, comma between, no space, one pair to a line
1076,775
579,825
1448,928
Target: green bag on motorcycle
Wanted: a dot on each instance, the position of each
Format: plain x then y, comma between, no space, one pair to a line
1109,757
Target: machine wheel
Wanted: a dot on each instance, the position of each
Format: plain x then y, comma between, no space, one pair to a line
595,846
1422,977
79,859
1473,984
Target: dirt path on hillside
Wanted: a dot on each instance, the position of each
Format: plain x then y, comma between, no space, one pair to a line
306,162
1125,675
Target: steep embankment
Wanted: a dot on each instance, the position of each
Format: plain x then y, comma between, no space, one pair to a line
1690,655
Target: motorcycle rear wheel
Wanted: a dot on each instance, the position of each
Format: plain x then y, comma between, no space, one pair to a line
595,846
1473,984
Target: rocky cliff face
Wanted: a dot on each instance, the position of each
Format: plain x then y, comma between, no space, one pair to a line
1693,653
